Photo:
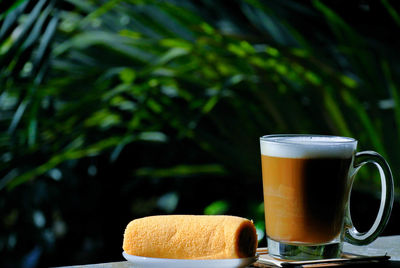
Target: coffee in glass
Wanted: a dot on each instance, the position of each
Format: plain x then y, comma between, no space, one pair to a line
307,181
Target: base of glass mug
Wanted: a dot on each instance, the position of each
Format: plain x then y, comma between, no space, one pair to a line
300,252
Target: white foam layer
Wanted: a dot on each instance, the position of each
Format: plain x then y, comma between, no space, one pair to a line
307,146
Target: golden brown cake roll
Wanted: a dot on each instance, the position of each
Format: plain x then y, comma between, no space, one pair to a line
191,237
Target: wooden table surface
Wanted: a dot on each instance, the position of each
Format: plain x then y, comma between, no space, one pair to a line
389,245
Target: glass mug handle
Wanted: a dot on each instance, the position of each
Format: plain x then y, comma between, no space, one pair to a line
351,234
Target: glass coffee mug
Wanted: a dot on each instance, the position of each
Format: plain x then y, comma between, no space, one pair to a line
307,180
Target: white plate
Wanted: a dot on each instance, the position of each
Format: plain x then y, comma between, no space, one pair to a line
145,262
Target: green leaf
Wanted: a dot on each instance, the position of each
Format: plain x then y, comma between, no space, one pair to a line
17,4
217,208
181,171
170,23
114,42
336,114
210,104
127,75
57,159
393,13
394,92
365,120
172,54
26,27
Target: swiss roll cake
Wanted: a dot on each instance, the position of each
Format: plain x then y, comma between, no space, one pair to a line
191,237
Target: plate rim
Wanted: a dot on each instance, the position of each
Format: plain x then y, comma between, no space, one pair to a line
163,260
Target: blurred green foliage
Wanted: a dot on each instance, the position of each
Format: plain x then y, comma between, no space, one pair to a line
111,110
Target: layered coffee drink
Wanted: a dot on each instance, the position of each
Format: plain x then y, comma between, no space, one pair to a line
307,181
305,188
